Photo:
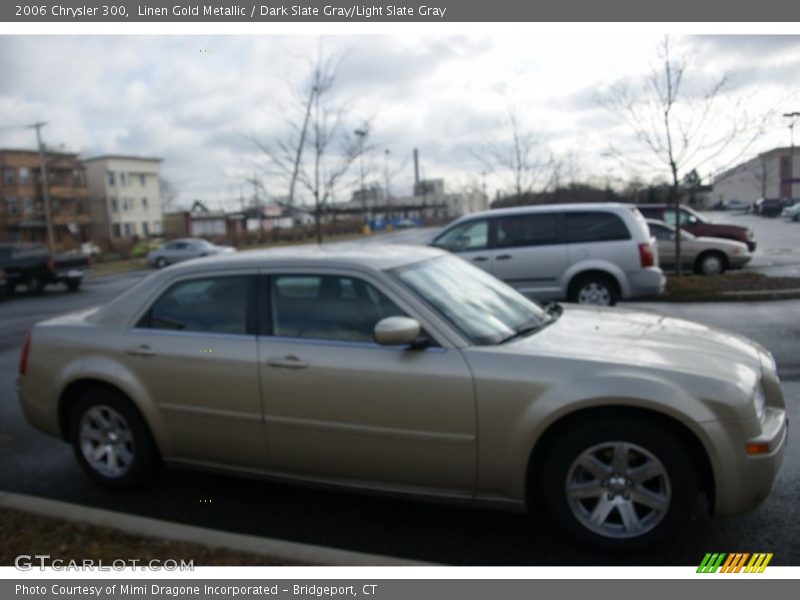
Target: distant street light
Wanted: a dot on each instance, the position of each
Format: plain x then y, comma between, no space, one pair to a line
792,116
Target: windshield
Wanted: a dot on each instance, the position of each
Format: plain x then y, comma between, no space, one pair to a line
485,309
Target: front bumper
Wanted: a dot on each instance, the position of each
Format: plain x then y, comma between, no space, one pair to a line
743,481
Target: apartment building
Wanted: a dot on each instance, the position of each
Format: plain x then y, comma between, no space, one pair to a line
22,204
124,196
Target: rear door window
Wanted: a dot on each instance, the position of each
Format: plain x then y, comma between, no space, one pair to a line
594,226
528,230
208,305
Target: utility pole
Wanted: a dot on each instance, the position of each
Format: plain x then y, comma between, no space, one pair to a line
387,194
792,116
259,216
45,191
362,133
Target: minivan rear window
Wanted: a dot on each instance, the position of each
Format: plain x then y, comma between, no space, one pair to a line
594,226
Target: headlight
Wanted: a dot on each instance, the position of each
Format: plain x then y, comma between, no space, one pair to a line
759,401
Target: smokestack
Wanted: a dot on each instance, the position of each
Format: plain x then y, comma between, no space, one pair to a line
416,166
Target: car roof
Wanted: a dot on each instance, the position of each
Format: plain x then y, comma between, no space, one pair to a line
542,208
342,254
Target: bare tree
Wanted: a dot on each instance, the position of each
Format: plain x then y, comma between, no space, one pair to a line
680,127
319,148
168,194
520,157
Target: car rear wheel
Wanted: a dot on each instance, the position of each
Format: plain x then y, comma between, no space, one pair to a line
73,285
35,284
618,484
111,439
161,263
599,290
711,263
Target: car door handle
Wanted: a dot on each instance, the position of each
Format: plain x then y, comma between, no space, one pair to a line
504,257
287,362
143,350
480,259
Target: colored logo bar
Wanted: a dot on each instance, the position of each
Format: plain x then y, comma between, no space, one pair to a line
734,562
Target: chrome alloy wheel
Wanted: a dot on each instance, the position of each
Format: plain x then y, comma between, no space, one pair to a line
618,490
106,441
594,293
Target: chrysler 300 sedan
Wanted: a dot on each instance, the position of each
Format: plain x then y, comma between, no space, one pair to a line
408,371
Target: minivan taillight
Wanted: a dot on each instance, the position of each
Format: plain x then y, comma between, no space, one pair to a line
51,264
646,256
23,356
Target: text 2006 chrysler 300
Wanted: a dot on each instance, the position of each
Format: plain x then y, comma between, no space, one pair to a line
408,371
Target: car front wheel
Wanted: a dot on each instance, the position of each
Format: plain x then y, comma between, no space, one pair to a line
618,485
111,439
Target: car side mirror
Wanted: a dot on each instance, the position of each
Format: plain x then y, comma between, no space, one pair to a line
396,331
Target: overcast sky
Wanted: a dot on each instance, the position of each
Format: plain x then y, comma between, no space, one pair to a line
194,100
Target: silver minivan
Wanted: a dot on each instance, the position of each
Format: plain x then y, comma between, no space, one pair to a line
585,253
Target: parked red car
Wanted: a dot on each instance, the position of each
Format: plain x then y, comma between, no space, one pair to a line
697,224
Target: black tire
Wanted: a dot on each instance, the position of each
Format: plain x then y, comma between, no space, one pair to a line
73,285
144,458
711,263
603,289
35,284
161,262
678,485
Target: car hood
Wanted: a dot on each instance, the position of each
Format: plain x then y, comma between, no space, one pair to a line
643,339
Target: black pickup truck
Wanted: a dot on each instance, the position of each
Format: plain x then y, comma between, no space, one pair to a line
34,267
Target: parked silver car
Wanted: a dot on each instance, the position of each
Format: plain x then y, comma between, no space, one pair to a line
586,253
184,249
406,370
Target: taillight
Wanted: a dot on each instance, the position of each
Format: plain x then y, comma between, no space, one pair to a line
646,257
51,264
23,357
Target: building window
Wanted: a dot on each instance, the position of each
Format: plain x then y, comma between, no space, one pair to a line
24,175
8,176
12,206
125,204
122,179
156,227
142,180
130,229
111,180
144,203
145,229
115,230
114,205
27,205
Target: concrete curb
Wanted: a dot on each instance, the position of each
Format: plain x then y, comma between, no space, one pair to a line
748,296
155,528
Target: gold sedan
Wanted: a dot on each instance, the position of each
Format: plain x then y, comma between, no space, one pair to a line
406,370
703,255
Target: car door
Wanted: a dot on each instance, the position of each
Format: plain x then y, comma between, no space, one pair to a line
470,240
339,407
528,253
194,350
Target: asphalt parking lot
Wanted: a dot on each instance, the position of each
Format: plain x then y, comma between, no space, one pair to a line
35,464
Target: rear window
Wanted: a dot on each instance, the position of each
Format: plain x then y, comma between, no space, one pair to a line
594,226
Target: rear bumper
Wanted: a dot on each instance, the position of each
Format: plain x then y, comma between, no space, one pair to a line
65,274
646,282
